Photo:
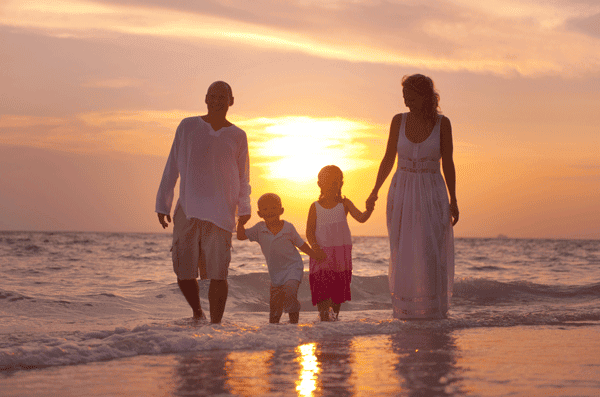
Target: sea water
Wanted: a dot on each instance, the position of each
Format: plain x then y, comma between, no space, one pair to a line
71,298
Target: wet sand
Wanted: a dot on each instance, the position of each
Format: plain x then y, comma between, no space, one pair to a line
522,360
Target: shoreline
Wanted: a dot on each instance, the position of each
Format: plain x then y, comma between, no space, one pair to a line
486,361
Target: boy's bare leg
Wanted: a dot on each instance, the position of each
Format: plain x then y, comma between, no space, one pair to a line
291,303
191,292
217,297
275,304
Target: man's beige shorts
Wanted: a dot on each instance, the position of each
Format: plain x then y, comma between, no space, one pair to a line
199,247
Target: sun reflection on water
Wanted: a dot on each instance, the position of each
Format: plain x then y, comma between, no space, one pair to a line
307,383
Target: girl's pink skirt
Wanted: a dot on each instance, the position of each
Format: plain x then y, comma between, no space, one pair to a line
330,278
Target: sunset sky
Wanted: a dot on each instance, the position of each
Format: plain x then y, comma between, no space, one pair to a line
92,92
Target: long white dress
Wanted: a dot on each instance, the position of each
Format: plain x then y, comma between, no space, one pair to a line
421,270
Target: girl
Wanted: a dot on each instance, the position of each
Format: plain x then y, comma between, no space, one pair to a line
327,231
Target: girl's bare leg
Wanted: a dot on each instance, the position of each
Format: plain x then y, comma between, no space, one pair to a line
323,307
336,309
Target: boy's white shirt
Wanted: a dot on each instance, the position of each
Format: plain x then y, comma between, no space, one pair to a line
280,250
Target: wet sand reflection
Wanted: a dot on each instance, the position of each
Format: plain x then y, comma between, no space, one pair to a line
426,363
411,363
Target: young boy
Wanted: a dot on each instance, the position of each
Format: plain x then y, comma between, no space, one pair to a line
278,240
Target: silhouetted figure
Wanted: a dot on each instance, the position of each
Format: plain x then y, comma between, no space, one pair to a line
211,156
419,216
279,241
327,231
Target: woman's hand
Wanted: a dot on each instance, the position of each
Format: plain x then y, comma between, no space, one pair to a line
453,212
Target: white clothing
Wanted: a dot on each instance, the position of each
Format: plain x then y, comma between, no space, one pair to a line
214,170
283,259
333,229
331,278
421,272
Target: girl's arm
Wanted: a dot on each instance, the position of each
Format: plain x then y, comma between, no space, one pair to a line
389,158
361,217
447,148
311,229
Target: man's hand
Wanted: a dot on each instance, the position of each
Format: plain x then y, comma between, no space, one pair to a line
161,219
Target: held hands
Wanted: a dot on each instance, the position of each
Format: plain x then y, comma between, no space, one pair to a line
241,230
161,219
320,255
243,219
371,202
314,252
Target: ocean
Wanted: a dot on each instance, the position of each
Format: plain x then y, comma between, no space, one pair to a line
74,301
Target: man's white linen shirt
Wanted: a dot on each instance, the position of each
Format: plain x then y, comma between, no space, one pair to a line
214,170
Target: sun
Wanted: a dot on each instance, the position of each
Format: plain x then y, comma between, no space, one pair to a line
295,148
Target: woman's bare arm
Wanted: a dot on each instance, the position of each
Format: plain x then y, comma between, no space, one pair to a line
389,158
447,149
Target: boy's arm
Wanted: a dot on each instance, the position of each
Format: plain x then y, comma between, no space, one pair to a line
361,217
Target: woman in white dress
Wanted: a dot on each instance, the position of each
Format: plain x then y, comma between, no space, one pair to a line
419,215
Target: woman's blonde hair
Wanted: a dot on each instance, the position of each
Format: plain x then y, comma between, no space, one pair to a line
423,86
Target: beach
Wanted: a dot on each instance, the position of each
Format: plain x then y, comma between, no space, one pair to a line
100,314
520,360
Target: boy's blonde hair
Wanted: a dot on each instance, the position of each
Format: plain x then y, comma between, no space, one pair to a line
269,196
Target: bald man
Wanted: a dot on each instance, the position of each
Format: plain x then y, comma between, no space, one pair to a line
210,154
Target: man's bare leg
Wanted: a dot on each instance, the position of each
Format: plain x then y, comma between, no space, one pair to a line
217,297
191,292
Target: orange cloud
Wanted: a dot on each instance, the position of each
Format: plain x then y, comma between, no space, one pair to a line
467,37
113,83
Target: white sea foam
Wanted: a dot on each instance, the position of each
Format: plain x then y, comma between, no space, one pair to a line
68,298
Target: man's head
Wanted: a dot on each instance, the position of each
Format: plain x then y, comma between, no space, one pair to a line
219,98
269,206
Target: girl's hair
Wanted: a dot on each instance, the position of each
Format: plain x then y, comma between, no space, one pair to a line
326,171
423,85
